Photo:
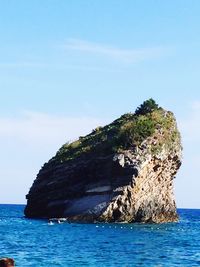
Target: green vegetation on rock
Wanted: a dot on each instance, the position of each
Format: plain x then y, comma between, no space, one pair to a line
136,130
127,132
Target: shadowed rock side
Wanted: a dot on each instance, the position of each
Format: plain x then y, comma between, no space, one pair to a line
128,182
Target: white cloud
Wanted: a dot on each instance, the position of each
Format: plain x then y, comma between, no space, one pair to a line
40,127
30,140
196,106
190,126
187,183
125,55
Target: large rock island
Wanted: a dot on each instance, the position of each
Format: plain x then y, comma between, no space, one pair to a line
122,172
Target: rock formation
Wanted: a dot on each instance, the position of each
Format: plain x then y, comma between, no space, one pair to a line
122,172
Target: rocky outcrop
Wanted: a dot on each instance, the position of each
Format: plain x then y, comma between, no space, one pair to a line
112,175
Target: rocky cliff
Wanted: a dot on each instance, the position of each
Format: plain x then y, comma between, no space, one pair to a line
122,172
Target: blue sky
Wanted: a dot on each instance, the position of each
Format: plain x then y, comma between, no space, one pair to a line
68,66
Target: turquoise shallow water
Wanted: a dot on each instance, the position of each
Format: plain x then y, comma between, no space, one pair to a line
36,243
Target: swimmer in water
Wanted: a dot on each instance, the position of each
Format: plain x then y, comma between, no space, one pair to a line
7,262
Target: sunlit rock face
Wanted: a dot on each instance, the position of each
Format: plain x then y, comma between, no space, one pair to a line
122,172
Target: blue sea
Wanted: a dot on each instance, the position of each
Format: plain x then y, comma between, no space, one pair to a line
37,243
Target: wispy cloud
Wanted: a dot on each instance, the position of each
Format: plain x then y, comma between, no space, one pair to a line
125,55
102,51
22,64
56,66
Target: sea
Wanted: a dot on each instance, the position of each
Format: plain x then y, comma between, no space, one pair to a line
39,243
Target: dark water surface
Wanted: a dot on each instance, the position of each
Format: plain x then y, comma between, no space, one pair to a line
36,243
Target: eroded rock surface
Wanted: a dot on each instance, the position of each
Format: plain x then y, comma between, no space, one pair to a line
131,183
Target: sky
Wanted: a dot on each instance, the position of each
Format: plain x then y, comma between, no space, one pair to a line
67,67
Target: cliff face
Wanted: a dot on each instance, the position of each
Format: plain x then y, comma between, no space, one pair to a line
122,172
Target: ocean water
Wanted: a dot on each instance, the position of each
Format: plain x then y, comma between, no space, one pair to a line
36,243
